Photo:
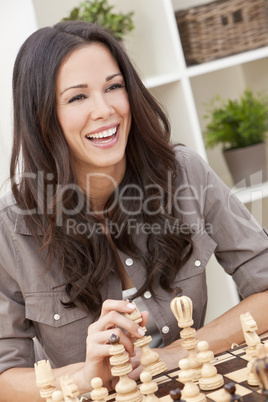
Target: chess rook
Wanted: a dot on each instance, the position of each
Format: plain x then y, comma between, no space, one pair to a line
45,379
69,388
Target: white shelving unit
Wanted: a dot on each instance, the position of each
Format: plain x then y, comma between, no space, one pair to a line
156,51
254,193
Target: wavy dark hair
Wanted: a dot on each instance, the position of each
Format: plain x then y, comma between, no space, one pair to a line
39,146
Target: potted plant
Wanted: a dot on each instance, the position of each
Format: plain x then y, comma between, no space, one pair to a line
241,127
99,12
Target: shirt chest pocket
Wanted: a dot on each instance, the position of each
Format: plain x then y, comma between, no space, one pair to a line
203,249
59,330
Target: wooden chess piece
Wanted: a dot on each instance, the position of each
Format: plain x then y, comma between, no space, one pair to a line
223,396
175,395
149,358
210,379
249,327
260,369
44,379
69,388
190,390
182,308
148,387
99,392
228,394
58,396
126,388
231,389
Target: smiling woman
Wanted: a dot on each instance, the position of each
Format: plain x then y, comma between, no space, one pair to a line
94,112
105,207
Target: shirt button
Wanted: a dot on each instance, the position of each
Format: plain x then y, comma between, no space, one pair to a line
129,262
197,263
56,317
147,294
165,330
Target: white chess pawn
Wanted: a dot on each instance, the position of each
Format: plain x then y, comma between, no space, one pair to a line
210,379
148,387
190,391
223,396
58,396
99,392
228,394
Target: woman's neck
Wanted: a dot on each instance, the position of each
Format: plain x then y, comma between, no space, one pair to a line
101,183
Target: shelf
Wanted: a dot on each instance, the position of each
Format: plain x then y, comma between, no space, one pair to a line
227,62
163,79
250,194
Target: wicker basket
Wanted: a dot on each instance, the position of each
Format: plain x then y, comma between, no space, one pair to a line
222,28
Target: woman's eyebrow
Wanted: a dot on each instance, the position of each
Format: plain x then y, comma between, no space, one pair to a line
110,77
74,87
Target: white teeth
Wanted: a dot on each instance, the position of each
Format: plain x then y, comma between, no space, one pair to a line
103,134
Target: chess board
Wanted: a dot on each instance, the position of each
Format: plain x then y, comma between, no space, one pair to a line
232,364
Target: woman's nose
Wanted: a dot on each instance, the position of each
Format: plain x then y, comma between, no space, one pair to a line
101,109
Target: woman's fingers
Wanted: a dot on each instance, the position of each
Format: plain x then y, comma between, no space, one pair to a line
114,318
121,306
113,321
94,339
145,316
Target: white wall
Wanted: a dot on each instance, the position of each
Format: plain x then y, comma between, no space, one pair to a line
49,12
17,23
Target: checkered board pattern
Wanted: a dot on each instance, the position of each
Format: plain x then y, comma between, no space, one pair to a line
231,364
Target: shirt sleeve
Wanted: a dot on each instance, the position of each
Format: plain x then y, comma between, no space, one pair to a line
16,332
242,245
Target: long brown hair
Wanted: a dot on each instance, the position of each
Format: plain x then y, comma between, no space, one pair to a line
40,144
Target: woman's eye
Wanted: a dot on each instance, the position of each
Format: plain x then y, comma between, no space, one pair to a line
114,86
77,98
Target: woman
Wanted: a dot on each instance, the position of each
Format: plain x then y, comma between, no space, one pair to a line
104,208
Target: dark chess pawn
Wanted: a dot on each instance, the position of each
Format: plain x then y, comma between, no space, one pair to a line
230,388
175,395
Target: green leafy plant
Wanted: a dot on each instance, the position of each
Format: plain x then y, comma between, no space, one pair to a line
237,123
99,12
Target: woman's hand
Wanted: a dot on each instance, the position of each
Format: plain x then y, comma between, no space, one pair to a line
111,321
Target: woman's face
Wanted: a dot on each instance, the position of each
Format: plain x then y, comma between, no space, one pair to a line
93,110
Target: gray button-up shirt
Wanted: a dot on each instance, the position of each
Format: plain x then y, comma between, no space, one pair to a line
30,302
